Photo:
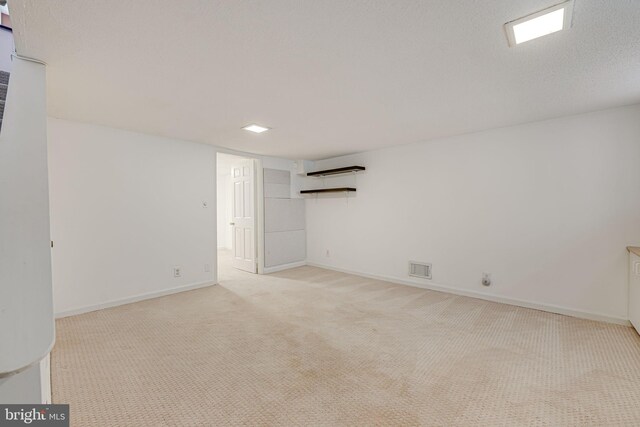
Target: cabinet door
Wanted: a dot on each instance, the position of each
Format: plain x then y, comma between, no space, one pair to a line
634,290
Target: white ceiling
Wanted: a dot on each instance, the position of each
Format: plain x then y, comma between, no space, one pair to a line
329,76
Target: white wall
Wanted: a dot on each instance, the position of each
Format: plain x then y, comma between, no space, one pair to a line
26,310
125,209
547,208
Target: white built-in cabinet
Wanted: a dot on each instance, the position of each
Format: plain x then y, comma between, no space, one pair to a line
285,243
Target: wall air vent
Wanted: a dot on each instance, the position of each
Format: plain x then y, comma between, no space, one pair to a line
420,269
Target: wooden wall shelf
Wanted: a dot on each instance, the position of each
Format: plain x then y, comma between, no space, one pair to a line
328,190
337,171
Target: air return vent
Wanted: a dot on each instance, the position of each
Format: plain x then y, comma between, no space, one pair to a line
420,269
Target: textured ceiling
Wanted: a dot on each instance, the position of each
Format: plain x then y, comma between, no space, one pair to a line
330,77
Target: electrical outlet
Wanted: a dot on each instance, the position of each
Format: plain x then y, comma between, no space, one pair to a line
207,268
177,271
486,279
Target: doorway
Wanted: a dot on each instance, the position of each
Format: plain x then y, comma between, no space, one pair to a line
237,213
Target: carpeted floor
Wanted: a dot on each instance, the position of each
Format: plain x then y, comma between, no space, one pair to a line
311,347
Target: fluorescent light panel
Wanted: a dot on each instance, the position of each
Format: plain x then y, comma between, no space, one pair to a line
539,24
255,128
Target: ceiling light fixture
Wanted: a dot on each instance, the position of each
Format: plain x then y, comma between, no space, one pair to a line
255,128
538,24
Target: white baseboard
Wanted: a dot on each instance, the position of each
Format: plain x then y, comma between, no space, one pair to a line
485,296
135,298
268,270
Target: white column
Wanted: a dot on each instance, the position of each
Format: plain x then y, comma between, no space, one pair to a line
26,307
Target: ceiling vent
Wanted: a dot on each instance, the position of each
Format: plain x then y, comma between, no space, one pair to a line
420,269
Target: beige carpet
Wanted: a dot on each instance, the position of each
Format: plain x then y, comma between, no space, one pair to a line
311,347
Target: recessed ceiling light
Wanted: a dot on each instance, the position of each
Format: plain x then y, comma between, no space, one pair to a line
539,24
255,128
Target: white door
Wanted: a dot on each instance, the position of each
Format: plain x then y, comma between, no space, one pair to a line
243,216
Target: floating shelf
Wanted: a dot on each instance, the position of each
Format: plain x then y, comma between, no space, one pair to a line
337,171
328,190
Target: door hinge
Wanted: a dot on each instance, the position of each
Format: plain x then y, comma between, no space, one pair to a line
52,243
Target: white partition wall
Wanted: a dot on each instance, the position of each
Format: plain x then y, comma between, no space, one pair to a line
26,308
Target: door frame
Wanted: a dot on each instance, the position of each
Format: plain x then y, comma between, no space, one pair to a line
258,194
259,204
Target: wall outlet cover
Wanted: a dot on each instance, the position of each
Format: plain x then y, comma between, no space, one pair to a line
486,279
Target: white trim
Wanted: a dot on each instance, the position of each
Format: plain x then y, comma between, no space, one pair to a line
28,58
487,297
214,261
135,298
268,270
259,214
